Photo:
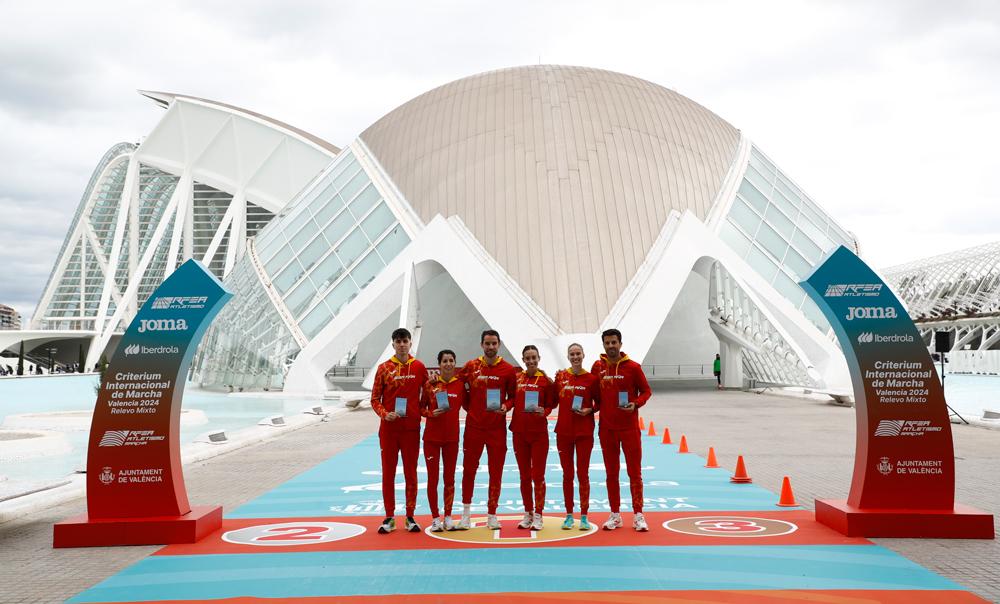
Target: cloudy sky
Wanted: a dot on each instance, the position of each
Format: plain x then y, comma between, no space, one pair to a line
887,113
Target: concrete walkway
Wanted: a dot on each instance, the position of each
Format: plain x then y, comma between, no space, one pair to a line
811,442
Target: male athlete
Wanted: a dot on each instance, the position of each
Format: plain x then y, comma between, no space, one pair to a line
623,389
396,399
492,382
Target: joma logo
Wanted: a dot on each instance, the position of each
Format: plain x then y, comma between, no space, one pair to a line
870,312
162,325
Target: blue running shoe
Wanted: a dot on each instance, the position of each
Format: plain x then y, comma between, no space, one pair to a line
568,523
584,524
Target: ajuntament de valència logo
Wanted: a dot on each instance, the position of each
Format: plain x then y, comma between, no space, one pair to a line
869,337
870,312
162,325
134,349
179,302
853,290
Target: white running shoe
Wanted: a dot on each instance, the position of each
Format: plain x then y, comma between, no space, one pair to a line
525,522
466,522
437,526
613,522
491,522
639,523
536,522
449,524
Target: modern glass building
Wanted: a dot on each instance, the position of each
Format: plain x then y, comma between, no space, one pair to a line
547,202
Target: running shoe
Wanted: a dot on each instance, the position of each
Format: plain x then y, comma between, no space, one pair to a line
584,523
614,522
388,525
449,524
491,522
437,526
536,522
465,523
411,525
568,523
639,523
525,522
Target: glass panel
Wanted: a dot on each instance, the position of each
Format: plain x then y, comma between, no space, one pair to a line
758,161
297,222
393,243
789,289
780,222
320,195
818,218
349,170
352,247
836,233
772,241
279,260
326,211
339,227
315,320
364,202
341,295
787,188
762,264
299,298
790,209
814,233
366,270
313,252
753,196
347,162
808,249
757,180
328,271
377,222
734,238
305,234
354,185
288,276
743,216
797,264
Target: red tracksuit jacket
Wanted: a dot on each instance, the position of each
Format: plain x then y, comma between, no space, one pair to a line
482,377
568,385
522,421
625,375
443,428
394,379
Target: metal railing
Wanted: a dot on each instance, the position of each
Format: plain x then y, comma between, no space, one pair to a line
347,371
676,371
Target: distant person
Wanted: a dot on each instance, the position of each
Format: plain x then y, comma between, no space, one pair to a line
578,400
623,390
442,398
717,370
492,384
396,400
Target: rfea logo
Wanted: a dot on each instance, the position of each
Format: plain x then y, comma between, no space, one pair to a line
853,290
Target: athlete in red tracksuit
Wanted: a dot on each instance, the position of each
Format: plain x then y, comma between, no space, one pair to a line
531,435
575,430
398,383
441,435
621,381
489,378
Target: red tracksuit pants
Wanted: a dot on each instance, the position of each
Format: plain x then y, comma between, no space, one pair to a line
447,453
531,450
630,442
581,446
495,442
392,443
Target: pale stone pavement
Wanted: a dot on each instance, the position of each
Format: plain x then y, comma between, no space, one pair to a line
811,442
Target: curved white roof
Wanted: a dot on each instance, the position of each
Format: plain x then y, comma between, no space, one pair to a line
566,175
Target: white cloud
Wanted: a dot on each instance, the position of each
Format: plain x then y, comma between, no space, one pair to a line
886,113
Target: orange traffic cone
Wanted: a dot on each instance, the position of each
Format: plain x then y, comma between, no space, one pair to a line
741,475
642,424
787,499
652,430
666,437
684,445
712,462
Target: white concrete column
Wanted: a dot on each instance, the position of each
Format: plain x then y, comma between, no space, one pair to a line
732,364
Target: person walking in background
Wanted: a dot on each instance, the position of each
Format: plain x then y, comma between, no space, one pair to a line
624,389
533,401
717,370
578,401
491,382
396,400
442,398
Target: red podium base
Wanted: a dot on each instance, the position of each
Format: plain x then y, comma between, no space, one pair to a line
82,531
963,522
